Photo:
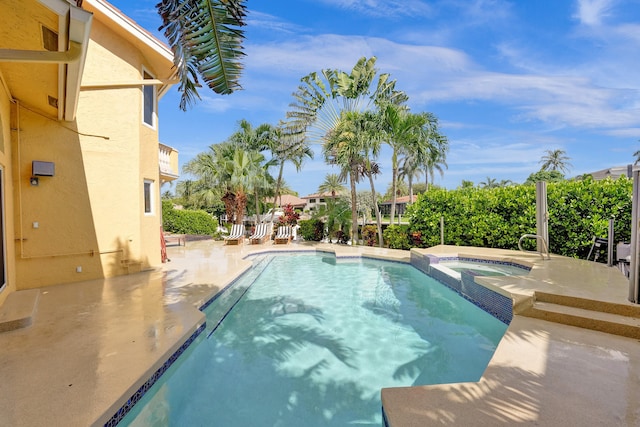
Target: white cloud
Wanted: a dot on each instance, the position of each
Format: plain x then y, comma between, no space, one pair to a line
625,132
593,12
265,21
493,153
558,96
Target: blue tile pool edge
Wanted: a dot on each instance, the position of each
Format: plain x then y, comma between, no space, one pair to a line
135,397
494,303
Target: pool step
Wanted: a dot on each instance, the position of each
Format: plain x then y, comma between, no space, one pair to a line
616,319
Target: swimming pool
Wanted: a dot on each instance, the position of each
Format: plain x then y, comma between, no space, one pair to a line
312,342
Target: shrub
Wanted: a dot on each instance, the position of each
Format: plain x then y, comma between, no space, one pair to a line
312,230
187,221
290,216
397,236
370,235
341,237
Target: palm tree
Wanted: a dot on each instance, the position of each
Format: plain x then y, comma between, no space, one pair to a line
410,134
206,39
255,139
231,168
287,146
489,183
332,184
637,156
370,132
343,147
555,160
357,142
245,171
410,169
371,169
252,138
322,105
436,160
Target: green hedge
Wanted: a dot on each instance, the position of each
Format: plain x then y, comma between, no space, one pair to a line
311,230
187,221
497,218
397,237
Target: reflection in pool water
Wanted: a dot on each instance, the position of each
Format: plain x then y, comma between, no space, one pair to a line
311,343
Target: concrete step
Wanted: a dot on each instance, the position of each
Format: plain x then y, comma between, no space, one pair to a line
19,309
624,308
612,323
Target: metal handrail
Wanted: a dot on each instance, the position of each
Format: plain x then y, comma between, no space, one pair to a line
540,239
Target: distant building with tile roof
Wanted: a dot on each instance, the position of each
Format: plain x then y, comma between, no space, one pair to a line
401,205
289,199
612,172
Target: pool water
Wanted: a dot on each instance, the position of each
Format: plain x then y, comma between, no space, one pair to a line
312,343
486,268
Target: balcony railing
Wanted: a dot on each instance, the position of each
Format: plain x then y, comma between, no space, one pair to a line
168,161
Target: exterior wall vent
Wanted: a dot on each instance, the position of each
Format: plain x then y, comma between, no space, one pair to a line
49,39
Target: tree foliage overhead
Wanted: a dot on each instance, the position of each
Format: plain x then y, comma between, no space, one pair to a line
206,39
322,97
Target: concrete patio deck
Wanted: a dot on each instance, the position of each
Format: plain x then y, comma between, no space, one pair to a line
92,344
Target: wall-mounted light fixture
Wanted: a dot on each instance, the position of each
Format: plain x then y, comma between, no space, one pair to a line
42,168
39,168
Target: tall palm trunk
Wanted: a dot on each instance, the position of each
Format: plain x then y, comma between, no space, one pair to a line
394,185
241,204
410,179
257,206
275,197
354,207
375,207
229,200
394,198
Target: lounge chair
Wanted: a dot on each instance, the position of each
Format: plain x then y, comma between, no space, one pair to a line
284,235
262,232
236,236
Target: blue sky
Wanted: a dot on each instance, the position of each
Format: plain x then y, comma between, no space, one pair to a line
506,79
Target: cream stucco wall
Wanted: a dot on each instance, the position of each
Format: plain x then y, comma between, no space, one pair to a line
88,220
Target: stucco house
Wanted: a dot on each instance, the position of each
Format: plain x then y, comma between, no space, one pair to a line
316,200
80,161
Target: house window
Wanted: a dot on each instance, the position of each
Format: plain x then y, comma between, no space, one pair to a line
312,200
148,102
321,200
148,197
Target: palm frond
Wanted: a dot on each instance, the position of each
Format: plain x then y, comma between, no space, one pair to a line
206,39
